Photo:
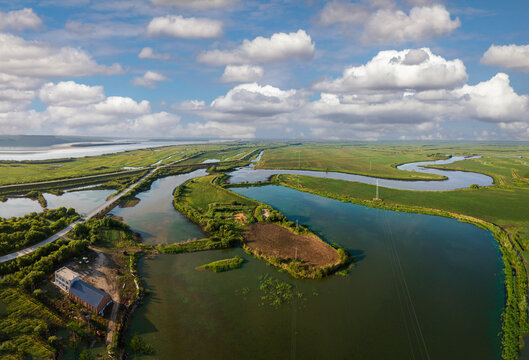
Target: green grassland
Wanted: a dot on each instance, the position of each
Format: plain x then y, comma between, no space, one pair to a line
32,171
506,171
377,159
365,159
201,194
506,207
231,152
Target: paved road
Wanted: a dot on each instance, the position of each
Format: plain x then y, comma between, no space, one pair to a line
91,214
72,179
64,231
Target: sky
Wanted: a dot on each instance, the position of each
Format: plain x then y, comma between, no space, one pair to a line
234,69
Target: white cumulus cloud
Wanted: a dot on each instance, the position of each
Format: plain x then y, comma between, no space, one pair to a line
494,100
148,53
248,103
36,59
383,23
343,12
149,79
195,4
177,26
279,47
69,93
422,23
242,73
417,69
19,20
512,57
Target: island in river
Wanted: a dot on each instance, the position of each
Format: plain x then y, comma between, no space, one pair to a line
406,265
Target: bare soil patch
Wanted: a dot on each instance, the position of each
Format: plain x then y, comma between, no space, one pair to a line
240,218
276,240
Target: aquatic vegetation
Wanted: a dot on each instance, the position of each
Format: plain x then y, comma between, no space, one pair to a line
223,265
277,292
139,346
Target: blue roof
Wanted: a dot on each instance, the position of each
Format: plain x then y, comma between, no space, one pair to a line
87,293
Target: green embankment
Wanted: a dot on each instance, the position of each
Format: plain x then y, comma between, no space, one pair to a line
498,210
223,265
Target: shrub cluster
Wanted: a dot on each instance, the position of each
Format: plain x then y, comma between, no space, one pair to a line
20,232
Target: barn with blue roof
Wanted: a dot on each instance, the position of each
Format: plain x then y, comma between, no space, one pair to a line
81,292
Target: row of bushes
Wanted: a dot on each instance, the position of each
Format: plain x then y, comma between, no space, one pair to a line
29,276
223,265
108,181
195,245
20,232
92,229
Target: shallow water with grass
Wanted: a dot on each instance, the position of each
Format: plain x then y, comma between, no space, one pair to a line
423,287
155,217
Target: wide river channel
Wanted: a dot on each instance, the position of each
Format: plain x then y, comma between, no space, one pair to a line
423,287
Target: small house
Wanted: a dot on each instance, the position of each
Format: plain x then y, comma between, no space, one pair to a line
65,277
81,292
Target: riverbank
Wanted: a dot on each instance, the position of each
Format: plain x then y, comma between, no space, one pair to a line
515,320
230,219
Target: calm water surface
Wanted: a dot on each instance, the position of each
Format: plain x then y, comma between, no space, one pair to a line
18,207
455,179
82,201
423,285
67,151
155,217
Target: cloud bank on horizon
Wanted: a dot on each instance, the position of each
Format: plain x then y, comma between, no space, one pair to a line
334,70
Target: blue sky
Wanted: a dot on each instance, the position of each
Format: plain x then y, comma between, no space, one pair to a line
337,70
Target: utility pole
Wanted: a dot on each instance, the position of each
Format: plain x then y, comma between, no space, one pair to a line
299,160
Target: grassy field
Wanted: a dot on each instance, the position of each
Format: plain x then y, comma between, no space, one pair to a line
506,207
508,171
200,194
226,152
377,159
24,172
365,159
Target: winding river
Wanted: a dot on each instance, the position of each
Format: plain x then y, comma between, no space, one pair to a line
454,179
423,286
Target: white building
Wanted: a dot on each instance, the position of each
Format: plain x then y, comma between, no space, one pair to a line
65,278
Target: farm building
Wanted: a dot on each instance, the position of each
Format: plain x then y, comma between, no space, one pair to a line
81,292
64,278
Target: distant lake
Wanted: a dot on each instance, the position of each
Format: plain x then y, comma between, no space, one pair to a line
75,150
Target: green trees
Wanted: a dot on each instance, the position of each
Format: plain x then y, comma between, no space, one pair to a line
20,232
139,346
